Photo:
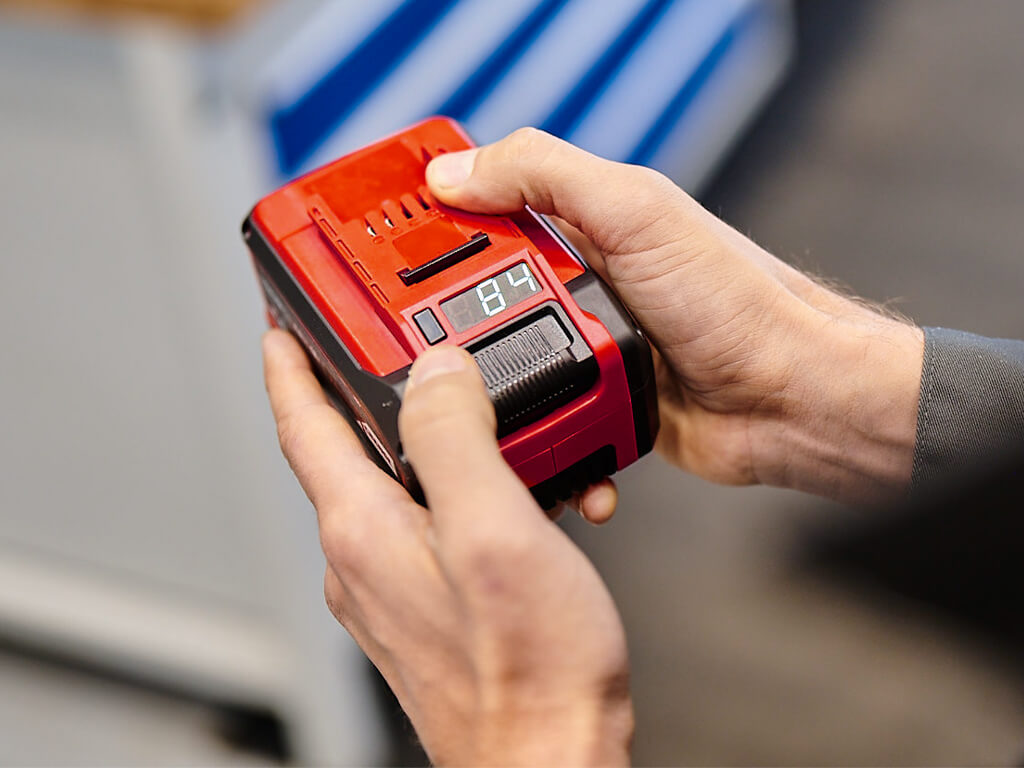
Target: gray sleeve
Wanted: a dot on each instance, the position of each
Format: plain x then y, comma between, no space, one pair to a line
971,406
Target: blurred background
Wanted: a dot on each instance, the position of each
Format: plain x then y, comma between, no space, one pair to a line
160,577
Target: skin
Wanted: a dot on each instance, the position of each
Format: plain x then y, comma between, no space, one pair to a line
495,632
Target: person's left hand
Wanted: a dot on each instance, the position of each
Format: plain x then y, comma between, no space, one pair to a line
495,632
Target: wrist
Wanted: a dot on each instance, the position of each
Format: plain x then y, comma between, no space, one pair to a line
581,733
848,424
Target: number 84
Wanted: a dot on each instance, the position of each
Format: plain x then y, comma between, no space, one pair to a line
489,291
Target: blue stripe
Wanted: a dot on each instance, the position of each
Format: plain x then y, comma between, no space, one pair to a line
582,98
300,128
461,104
651,142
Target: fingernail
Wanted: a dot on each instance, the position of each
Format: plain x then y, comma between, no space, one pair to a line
437,362
451,169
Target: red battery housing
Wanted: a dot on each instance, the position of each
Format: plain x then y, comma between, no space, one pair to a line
367,269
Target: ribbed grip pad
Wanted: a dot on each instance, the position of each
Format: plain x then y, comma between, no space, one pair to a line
532,371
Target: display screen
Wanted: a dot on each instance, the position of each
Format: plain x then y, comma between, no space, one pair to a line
491,297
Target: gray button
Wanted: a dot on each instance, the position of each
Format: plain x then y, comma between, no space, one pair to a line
429,327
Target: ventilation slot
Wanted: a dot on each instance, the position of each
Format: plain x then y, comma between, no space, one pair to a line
369,228
405,211
422,201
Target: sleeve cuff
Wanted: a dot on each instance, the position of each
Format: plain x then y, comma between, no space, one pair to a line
971,405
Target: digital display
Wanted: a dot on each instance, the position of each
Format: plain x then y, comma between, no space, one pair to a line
491,297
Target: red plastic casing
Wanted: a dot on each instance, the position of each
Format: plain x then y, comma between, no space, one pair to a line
345,231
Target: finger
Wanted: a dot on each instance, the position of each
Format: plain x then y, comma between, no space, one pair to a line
598,501
447,426
554,514
557,509
609,202
323,451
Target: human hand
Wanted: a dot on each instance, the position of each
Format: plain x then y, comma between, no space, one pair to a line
764,375
495,632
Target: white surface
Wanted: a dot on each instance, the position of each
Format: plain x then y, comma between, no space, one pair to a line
118,623
53,716
148,520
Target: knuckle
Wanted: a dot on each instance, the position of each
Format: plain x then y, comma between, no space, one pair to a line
290,434
335,597
654,187
648,176
529,149
655,205
443,405
297,428
537,157
418,411
433,431
492,560
527,142
341,543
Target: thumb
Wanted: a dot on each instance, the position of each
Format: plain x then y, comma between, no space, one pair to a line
447,426
618,207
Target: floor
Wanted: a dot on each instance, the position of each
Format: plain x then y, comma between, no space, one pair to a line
893,160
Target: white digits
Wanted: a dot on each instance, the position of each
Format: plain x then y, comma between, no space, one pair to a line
526,278
485,299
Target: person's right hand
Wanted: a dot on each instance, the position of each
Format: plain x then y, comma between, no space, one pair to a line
764,375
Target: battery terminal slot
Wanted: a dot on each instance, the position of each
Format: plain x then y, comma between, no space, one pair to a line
473,246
